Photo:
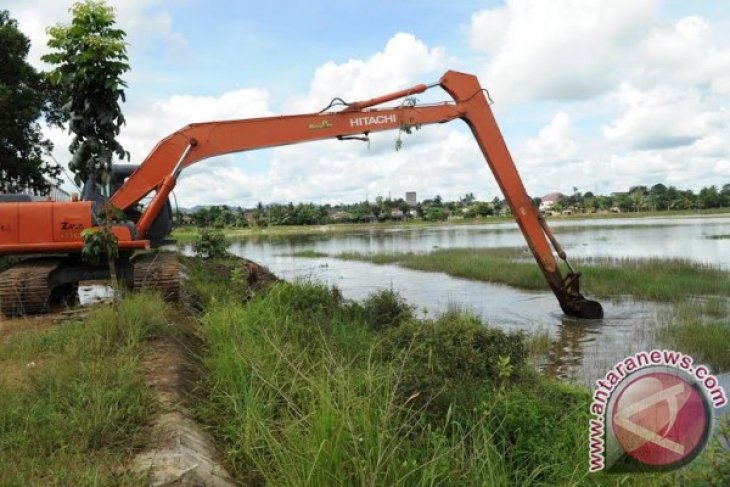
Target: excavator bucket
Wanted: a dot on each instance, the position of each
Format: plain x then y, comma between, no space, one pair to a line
573,303
583,308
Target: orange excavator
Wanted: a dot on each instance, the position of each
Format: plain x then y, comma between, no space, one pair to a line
45,237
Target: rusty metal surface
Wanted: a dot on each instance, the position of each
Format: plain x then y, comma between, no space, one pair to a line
25,287
159,272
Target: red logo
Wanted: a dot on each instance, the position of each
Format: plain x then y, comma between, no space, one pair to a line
660,419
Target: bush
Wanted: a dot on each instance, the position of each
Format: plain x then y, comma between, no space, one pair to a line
210,244
448,361
541,426
385,309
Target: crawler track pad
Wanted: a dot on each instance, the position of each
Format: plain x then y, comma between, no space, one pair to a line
159,272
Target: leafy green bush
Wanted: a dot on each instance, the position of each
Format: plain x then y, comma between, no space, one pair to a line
210,244
446,362
385,309
541,426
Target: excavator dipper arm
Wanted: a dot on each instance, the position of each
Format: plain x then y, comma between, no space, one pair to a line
203,140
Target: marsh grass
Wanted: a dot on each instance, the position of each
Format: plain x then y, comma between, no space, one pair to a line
538,344
701,328
653,279
310,254
74,402
302,389
302,396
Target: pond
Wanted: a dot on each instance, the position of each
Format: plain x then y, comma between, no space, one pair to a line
580,350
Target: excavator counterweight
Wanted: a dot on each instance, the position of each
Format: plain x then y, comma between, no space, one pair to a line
61,224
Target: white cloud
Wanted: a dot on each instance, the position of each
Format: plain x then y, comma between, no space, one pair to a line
637,99
554,143
557,49
659,118
397,66
686,54
144,21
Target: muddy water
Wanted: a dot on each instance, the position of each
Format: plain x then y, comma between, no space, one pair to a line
581,350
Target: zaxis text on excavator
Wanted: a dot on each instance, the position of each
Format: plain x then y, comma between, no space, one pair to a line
47,235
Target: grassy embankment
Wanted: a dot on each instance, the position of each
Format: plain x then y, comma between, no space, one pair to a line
699,326
189,233
299,388
74,401
305,388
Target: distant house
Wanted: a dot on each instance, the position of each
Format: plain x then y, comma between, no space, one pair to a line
55,194
340,215
547,201
249,217
396,214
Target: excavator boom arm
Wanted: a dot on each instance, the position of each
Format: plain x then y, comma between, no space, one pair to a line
203,140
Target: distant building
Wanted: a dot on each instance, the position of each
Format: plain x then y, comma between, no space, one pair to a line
56,194
411,198
547,201
340,215
396,213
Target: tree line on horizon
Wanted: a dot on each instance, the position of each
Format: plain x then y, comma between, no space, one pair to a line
658,197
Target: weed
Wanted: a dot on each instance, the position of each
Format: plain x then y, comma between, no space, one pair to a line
310,254
385,309
210,244
447,361
74,410
654,279
702,329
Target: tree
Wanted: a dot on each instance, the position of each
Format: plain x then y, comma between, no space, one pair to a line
90,58
22,98
709,197
725,195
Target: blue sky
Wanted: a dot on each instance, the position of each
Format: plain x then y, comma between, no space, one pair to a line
278,44
599,95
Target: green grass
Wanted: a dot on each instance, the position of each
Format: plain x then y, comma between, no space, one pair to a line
74,402
304,388
654,279
701,328
719,237
301,394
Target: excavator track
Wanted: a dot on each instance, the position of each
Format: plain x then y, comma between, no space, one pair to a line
25,288
160,272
